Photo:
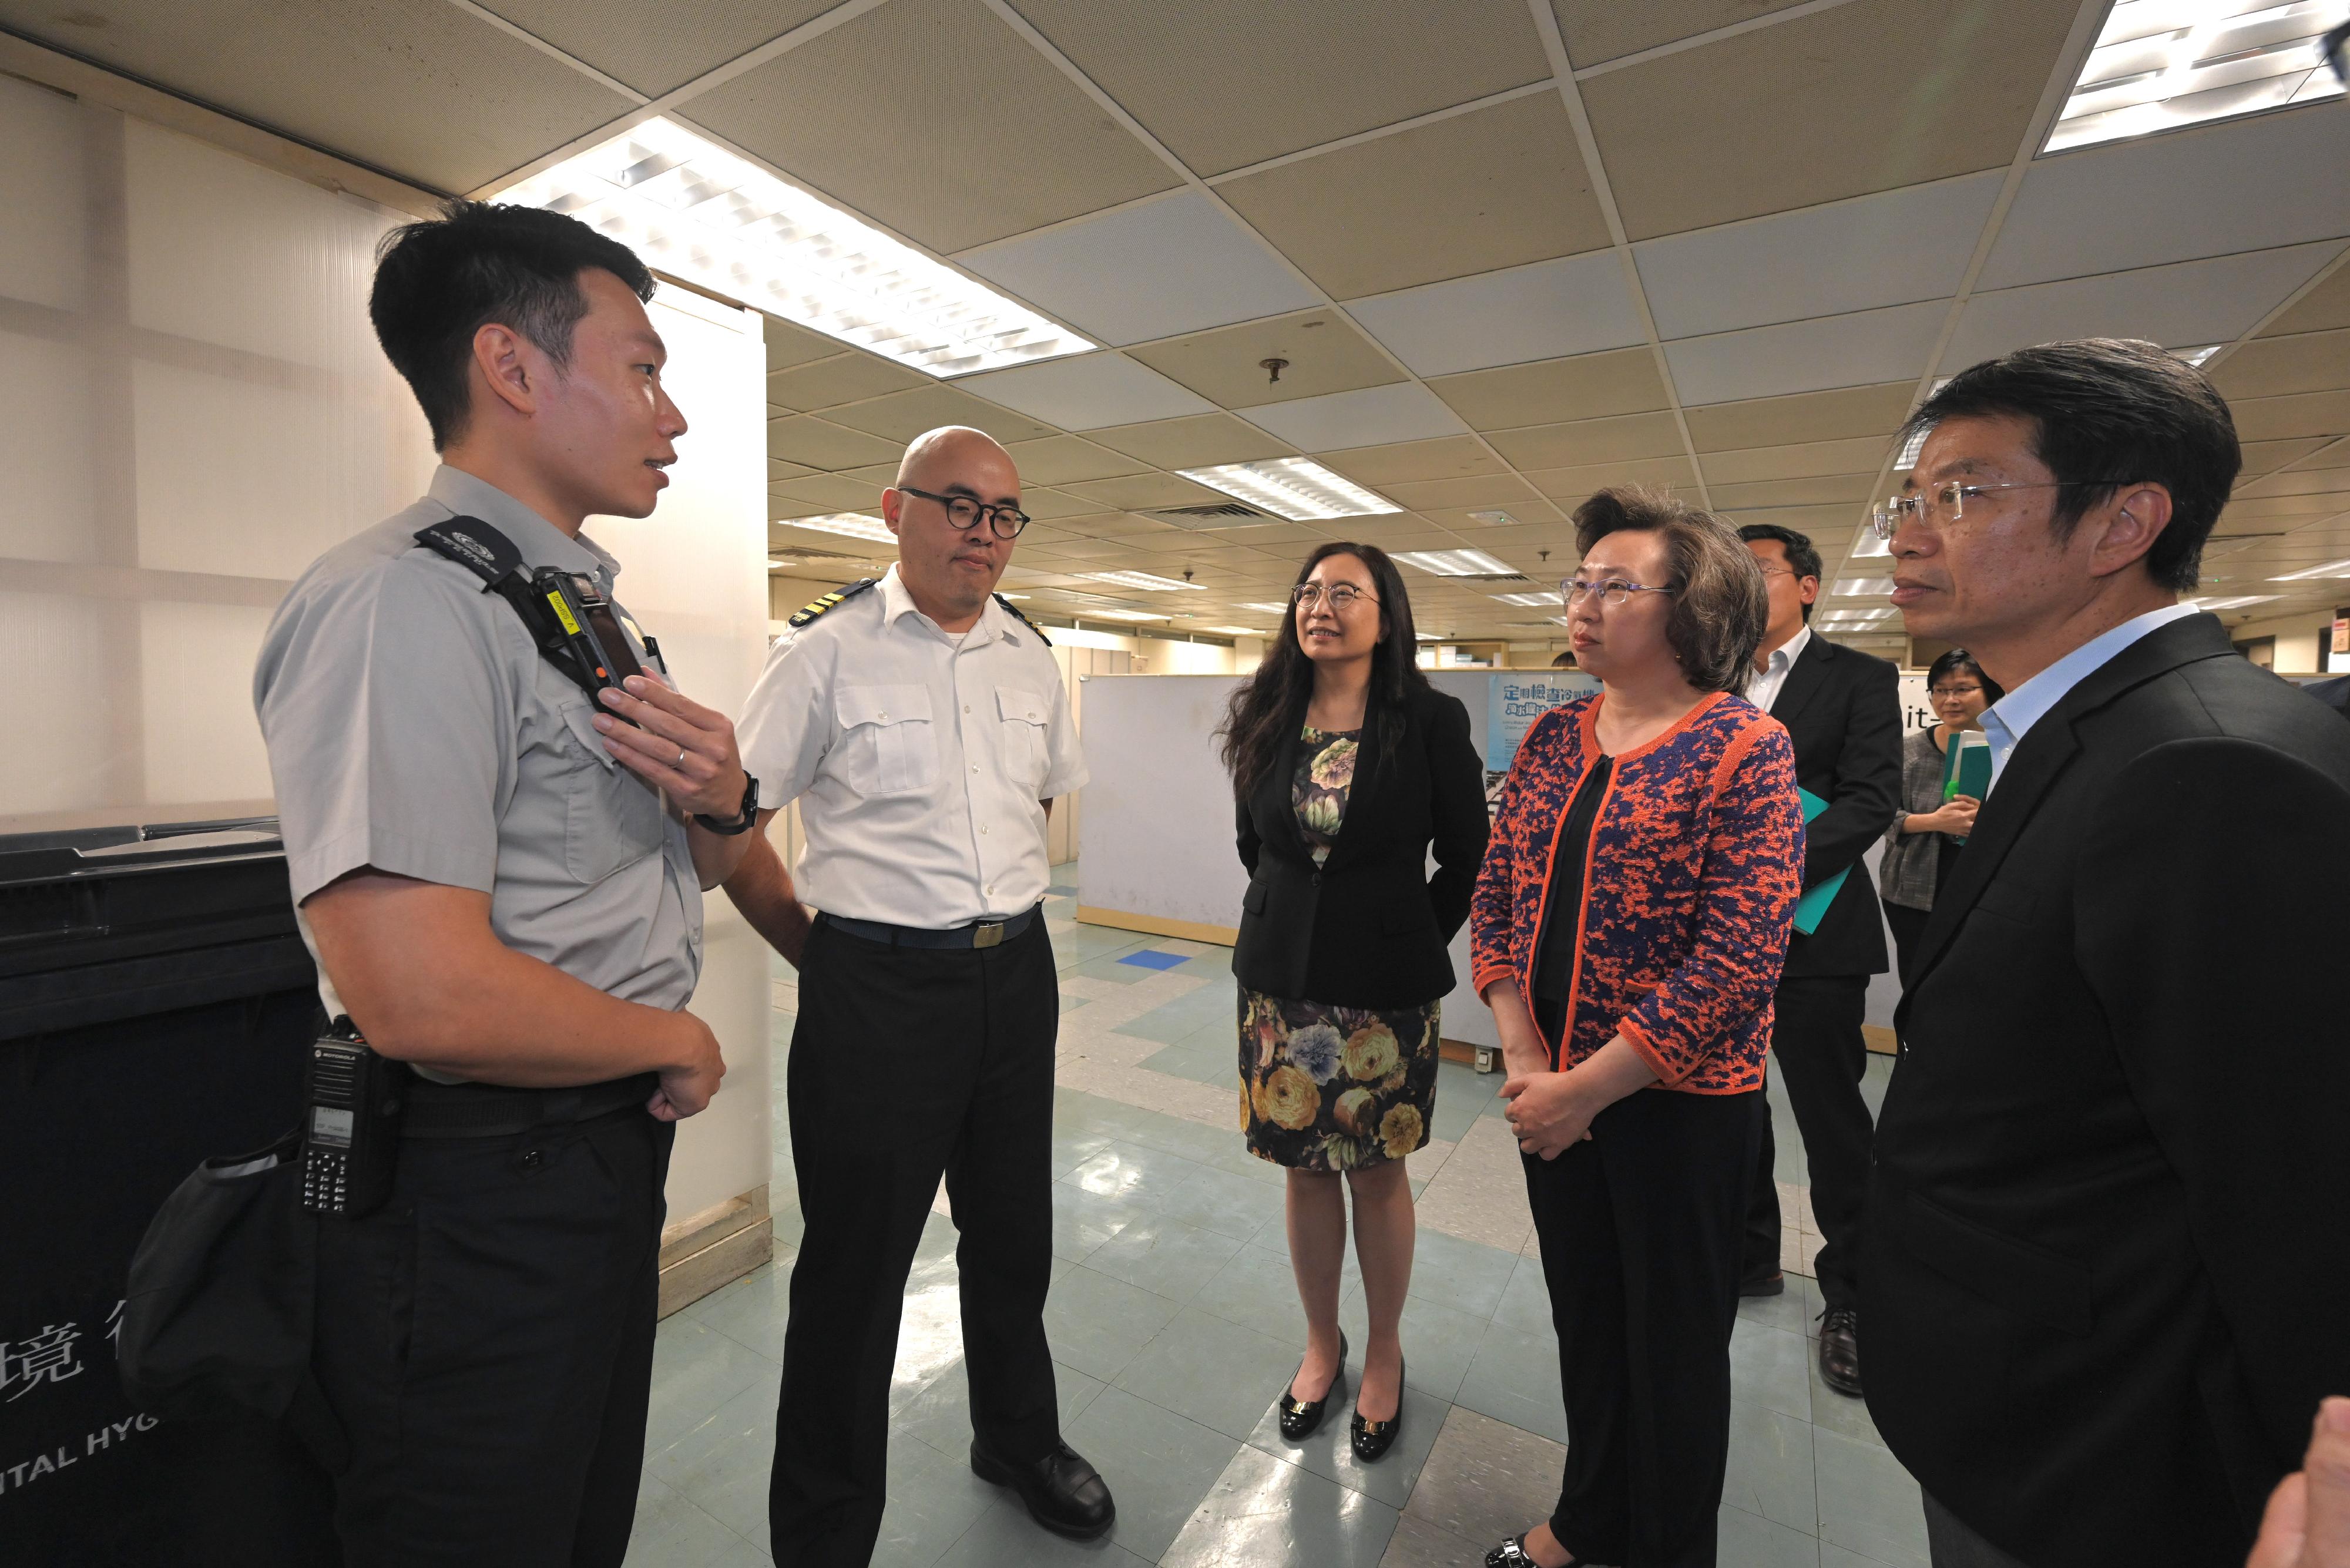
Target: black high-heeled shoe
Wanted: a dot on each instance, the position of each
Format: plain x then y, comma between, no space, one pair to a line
1299,1417
1372,1439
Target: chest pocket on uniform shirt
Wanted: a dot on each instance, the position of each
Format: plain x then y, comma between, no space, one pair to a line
1024,715
610,816
887,745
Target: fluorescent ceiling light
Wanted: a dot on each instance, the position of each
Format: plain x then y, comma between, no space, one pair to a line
2331,570
2197,356
1269,609
1492,519
2238,602
1296,488
1529,598
1870,544
1426,637
1452,563
699,212
856,524
2162,64
1858,616
1145,580
1910,451
1850,588
1115,615
1021,598
1237,631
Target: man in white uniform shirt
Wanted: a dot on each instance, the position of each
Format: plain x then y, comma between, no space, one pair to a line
920,723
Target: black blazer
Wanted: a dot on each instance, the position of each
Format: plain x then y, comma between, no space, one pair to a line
1369,928
2106,1255
1843,709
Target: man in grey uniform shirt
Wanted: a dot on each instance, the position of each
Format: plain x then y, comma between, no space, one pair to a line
503,888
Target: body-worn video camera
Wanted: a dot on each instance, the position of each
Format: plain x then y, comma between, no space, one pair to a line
350,1130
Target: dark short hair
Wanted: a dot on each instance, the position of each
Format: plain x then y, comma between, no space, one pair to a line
440,281
2108,412
1720,605
1957,661
1802,556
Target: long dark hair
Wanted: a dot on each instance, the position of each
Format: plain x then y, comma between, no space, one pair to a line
1265,704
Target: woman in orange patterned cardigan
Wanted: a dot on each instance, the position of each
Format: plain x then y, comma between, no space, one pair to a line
1639,892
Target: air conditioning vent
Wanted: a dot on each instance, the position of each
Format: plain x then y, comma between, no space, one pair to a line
1485,577
1214,515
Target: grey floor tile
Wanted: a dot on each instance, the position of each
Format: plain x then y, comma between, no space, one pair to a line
1084,943
1071,1003
1006,1537
1255,1288
1525,1300
1486,1481
1868,1503
1195,1141
1515,1378
723,1466
1789,1310
1438,1343
1164,1256
1096,1324
1874,1080
1106,966
1767,1367
697,1369
1072,1150
1838,1412
1837,1557
1208,1007
1263,1511
1124,1167
1461,1095
939,1414
672,1532
1159,1466
1749,1540
933,1498
786,1221
1221,1374
1083,1221
1224,1201
1418,1545
1194,1065
1770,1471
1329,1450
1467,1276
743,1555
754,1310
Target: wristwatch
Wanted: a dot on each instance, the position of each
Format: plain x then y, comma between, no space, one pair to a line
743,821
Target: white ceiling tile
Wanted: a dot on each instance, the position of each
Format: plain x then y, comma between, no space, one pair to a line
2179,305
1089,393
1372,416
2250,185
1856,350
1576,305
1888,249
1168,267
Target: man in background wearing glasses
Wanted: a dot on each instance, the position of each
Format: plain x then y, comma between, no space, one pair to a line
920,723
2105,1262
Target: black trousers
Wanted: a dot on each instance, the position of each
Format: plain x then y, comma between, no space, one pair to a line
908,1064
1908,928
486,1339
1818,1056
1640,1231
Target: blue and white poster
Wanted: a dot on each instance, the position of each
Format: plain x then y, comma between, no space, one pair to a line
1515,699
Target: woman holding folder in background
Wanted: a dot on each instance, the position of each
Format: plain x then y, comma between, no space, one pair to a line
1938,797
1628,929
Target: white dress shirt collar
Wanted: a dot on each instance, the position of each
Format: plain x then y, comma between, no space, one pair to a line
898,603
1764,689
2006,720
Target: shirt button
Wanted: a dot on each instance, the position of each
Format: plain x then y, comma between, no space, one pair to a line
966,707
982,832
974,767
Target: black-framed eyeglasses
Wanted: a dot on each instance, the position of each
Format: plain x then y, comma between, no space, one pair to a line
1611,590
965,512
1939,505
1343,597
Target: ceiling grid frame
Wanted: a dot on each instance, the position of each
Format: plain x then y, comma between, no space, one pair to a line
1587,142
2086,20
513,30
1192,180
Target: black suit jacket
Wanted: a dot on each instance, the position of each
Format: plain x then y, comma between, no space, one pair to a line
1369,928
2107,1262
1843,711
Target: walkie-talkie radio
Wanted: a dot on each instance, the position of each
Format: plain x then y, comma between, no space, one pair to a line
591,632
573,623
351,1131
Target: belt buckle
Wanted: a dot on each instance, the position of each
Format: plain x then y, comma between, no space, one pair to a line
988,934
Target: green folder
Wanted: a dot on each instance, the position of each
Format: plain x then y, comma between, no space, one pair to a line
1815,904
1965,767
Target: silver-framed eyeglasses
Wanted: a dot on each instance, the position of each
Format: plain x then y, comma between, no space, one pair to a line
1343,596
1939,505
1611,590
964,513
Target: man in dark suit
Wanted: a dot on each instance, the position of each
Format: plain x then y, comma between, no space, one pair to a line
1843,711
2105,1263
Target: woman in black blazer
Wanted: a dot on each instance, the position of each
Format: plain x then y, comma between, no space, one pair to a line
1347,763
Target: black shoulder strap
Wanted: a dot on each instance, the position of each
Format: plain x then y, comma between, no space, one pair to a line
491,557
1024,620
823,603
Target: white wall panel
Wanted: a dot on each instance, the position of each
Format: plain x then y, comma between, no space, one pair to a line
40,191
46,504
196,677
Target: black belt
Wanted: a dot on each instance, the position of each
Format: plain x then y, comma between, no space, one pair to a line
978,934
486,1110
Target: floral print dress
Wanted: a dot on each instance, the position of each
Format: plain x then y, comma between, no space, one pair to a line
1333,1089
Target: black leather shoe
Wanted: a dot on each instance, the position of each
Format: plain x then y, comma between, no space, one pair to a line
1840,1350
1300,1417
1512,1553
1372,1439
1064,1493
1771,1284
